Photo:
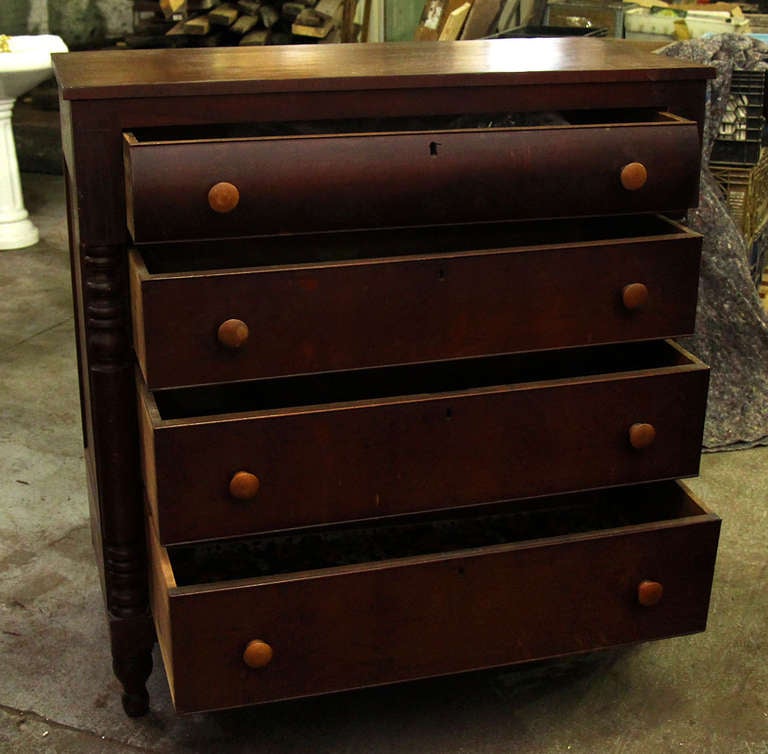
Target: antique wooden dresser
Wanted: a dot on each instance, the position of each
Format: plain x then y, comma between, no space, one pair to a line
374,351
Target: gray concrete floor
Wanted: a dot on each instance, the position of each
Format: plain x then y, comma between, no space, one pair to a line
706,693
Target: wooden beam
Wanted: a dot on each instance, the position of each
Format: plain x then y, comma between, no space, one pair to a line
455,22
224,15
198,26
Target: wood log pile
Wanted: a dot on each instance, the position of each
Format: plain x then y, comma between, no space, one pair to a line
226,23
458,19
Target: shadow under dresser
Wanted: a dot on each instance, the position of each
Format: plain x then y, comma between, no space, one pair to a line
375,357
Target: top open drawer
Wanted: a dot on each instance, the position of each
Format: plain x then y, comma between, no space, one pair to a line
184,188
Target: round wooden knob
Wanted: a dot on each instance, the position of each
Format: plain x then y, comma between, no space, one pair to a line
257,654
649,593
633,176
634,296
223,197
233,333
641,435
244,485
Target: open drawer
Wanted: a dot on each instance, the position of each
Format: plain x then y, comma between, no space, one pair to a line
196,186
212,312
230,460
289,616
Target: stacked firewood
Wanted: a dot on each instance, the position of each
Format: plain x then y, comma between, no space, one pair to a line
209,23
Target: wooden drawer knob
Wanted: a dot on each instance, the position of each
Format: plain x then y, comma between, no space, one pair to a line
223,197
634,296
257,654
233,333
634,176
244,485
641,435
649,593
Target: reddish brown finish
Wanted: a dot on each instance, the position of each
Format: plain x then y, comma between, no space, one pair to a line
381,457
223,197
642,435
107,94
396,179
244,485
634,176
545,62
436,614
257,654
106,371
649,593
232,334
634,296
492,300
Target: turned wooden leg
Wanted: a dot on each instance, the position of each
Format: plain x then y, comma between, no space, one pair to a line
107,379
132,671
132,641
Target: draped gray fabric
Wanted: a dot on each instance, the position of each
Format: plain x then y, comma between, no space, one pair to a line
731,327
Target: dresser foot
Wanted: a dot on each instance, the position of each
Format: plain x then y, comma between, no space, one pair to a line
136,705
132,671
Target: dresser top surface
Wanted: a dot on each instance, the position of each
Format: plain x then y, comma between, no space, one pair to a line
305,68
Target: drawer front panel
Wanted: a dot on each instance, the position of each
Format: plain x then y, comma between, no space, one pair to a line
321,183
374,624
382,458
315,318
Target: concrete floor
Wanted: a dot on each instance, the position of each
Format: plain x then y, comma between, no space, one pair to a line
706,693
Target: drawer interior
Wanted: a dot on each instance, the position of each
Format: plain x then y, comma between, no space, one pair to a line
317,549
415,380
361,606
170,258
443,122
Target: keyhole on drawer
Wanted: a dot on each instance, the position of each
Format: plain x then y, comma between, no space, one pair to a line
433,145
449,414
441,274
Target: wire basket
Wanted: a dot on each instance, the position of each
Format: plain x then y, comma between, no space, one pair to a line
759,257
741,131
746,192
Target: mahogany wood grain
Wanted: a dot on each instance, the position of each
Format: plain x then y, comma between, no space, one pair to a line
104,94
683,98
448,305
401,179
392,455
100,280
155,73
455,611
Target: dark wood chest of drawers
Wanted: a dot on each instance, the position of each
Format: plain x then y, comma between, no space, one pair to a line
375,362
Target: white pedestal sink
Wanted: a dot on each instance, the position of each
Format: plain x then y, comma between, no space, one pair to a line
24,66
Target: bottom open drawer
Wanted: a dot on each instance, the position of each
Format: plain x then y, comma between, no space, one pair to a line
359,606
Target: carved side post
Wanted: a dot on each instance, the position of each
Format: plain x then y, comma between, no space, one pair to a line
113,417
91,138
